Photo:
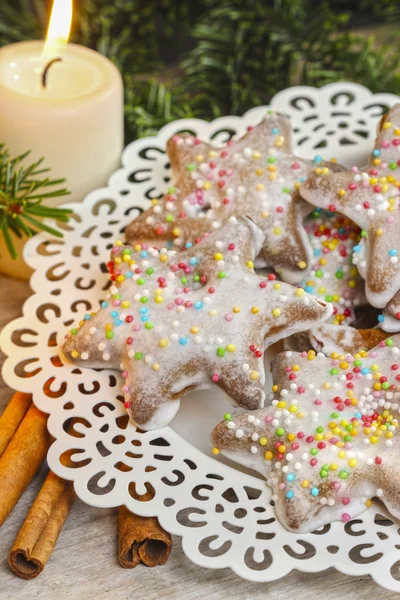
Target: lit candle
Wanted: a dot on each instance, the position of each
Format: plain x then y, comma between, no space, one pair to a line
63,102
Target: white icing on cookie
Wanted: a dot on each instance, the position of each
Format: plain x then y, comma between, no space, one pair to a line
210,322
371,198
326,450
257,176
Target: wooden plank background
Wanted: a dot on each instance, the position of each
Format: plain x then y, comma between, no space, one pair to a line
84,564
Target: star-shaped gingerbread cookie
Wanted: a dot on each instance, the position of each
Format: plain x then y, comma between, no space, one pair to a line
257,176
328,338
370,197
330,440
333,277
175,322
390,318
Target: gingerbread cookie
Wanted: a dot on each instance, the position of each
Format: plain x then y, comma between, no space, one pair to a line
330,441
257,176
370,197
327,338
174,322
333,277
389,318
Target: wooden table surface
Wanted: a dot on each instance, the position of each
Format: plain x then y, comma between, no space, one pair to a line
84,563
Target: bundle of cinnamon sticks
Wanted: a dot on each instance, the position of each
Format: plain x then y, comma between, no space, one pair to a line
24,441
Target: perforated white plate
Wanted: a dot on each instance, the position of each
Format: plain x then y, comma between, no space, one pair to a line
224,516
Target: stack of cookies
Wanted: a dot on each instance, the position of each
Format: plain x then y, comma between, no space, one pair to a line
188,307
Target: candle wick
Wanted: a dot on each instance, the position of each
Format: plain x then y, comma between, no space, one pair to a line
46,70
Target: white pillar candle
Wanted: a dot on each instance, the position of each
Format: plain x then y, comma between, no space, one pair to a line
74,121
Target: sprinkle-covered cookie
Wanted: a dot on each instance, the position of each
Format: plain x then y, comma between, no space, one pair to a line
330,441
370,197
257,176
329,338
333,277
390,318
174,322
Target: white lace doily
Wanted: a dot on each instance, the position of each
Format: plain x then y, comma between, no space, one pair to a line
224,516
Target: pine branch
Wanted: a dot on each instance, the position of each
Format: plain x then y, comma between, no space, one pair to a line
21,195
23,20
41,226
8,240
387,9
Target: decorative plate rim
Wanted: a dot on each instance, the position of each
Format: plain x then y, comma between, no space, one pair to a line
147,509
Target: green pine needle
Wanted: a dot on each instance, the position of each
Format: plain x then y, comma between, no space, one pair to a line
42,226
8,240
22,190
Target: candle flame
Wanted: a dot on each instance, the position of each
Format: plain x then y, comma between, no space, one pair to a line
60,24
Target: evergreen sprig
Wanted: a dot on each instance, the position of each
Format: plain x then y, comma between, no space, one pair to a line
245,51
243,57
22,191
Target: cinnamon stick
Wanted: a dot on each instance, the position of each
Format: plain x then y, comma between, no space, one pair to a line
141,539
22,459
38,535
12,417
